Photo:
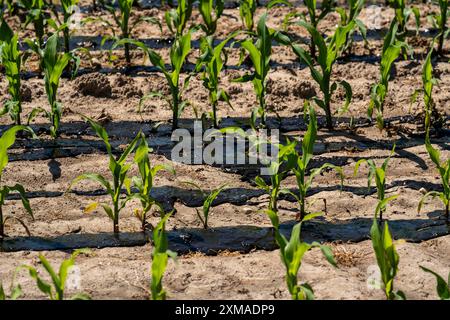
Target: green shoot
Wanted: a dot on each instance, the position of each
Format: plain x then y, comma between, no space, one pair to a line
177,19
68,9
442,287
259,53
211,12
402,16
119,170
387,258
212,63
355,7
123,22
314,18
207,202
301,165
247,9
178,54
6,141
392,49
53,64
55,290
444,171
160,258
145,182
11,59
15,290
35,14
440,22
292,252
329,51
379,175
432,116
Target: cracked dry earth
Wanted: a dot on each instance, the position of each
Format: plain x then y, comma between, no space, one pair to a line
233,260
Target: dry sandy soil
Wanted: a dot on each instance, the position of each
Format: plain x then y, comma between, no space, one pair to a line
232,263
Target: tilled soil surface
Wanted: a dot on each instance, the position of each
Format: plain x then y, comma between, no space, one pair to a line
236,258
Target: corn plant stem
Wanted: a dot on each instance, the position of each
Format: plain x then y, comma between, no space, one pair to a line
125,35
216,122
175,106
39,29
116,205
262,103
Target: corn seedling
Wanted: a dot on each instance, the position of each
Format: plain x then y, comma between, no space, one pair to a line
439,22
301,165
279,170
15,291
402,15
444,171
122,21
355,7
11,59
392,49
259,53
211,62
247,9
387,258
292,252
442,287
379,175
178,54
432,116
160,258
119,169
55,289
54,64
6,141
328,53
35,10
68,9
144,183
211,11
208,199
177,19
314,18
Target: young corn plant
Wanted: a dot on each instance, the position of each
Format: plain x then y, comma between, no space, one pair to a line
328,53
54,64
123,22
292,252
259,53
211,12
442,287
211,63
392,49
387,258
355,7
6,141
145,182
314,18
35,10
444,171
55,289
379,175
160,258
247,9
208,199
178,54
432,116
402,15
119,169
279,171
439,22
177,19
11,59
15,291
68,9
301,166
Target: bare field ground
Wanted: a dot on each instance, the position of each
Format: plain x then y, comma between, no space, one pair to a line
107,93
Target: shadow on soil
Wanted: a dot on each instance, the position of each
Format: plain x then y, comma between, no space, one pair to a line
236,238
